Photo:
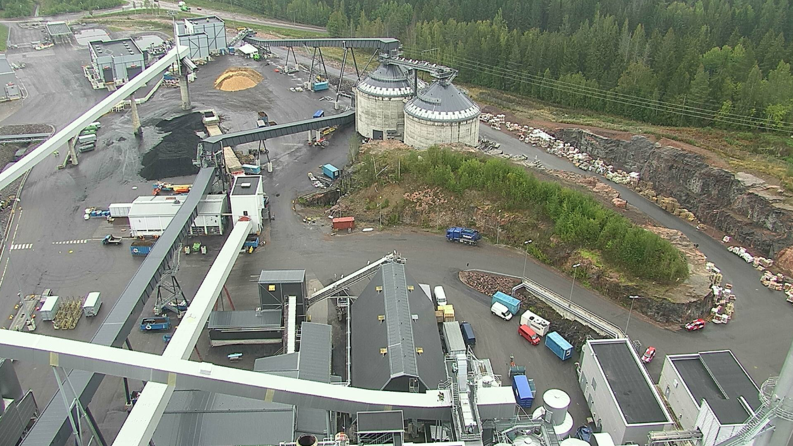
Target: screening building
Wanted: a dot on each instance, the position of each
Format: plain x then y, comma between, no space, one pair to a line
116,61
619,392
213,27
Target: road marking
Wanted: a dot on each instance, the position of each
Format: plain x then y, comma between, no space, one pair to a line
71,242
19,246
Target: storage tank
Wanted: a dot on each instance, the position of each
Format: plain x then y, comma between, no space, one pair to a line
573,442
441,114
380,103
556,403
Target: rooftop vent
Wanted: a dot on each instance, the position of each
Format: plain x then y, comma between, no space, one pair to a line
383,351
245,185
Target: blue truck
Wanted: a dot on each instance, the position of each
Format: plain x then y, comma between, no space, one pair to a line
468,333
463,235
331,171
141,248
155,323
523,389
512,304
558,345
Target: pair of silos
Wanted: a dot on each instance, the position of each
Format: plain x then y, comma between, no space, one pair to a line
386,108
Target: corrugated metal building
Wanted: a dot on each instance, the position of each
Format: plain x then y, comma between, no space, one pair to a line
196,418
247,200
619,392
709,391
116,61
213,27
149,216
275,287
395,341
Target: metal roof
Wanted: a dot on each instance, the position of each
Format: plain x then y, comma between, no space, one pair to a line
204,20
442,102
120,47
168,206
5,67
278,364
253,180
398,332
58,29
315,350
632,389
380,421
282,276
219,320
388,81
718,378
381,43
197,418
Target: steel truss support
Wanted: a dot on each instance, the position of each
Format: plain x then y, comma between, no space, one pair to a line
322,60
341,78
85,432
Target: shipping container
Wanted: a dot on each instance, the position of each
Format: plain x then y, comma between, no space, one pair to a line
320,86
440,296
92,304
120,209
50,308
453,338
468,334
330,171
141,247
538,324
250,169
558,345
523,389
342,223
512,304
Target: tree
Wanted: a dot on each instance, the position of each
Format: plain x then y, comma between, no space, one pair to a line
337,24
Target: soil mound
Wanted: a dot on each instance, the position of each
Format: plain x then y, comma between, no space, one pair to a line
173,156
237,79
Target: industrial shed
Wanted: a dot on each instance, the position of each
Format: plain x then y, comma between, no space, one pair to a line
245,327
116,61
213,27
59,32
149,216
275,287
711,392
395,340
619,392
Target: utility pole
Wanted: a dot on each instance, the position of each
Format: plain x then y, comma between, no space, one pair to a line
575,269
633,299
526,258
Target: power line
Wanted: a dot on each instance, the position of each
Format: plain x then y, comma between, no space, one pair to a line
615,97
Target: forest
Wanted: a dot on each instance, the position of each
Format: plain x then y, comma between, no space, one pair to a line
24,8
577,219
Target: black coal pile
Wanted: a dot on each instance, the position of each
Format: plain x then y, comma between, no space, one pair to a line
174,155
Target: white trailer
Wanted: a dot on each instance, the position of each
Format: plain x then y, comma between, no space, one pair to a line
92,304
50,308
536,323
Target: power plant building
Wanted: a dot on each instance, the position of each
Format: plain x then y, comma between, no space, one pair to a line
441,114
380,103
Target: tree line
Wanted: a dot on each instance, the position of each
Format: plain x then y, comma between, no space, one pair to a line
24,8
577,218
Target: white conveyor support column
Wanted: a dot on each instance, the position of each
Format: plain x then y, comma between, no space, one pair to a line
75,127
291,329
147,412
181,374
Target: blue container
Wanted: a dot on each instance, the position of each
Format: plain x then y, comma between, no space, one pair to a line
512,304
523,389
468,334
331,171
319,113
141,248
320,86
559,346
251,169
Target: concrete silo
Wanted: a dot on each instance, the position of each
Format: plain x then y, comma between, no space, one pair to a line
441,114
380,103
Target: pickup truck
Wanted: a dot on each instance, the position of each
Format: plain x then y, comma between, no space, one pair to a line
110,239
155,323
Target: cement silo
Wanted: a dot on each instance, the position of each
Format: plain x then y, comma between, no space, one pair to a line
380,103
441,114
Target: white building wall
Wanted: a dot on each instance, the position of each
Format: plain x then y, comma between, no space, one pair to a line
423,134
598,397
149,225
253,205
376,113
672,386
713,432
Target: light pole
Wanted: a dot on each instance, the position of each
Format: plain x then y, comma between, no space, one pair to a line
575,269
527,243
633,299
498,226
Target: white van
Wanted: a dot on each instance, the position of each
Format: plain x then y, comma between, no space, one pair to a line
440,296
501,311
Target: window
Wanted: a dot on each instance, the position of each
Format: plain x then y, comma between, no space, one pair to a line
666,391
594,384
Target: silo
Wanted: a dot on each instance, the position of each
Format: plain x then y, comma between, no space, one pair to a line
441,114
380,103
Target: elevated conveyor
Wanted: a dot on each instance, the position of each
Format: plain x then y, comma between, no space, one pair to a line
214,144
381,44
52,426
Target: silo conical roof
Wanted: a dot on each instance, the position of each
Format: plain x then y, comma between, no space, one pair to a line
386,81
442,102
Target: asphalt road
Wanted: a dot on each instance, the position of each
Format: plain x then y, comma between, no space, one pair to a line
53,203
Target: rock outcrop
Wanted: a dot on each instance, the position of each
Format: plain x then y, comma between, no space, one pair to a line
741,205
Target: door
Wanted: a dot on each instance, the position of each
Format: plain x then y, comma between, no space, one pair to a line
107,74
377,134
133,71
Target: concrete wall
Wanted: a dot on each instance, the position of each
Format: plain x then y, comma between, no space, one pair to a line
684,408
423,134
598,396
376,113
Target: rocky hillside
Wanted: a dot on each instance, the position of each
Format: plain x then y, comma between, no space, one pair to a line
753,212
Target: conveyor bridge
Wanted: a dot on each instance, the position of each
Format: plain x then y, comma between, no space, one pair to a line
381,44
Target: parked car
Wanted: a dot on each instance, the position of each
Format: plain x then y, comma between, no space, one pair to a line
528,334
649,354
696,324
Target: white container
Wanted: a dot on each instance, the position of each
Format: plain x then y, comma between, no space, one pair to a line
440,296
120,209
92,304
536,323
50,308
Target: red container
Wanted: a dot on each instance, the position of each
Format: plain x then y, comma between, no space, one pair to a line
344,223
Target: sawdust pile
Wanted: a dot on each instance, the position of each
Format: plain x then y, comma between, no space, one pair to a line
237,79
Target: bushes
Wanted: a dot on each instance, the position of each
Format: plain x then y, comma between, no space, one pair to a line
578,219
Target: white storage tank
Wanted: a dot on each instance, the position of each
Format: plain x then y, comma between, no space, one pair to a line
573,442
441,114
92,304
556,403
380,103
50,308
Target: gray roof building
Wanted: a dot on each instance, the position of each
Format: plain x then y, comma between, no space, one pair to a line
395,340
197,418
442,102
386,81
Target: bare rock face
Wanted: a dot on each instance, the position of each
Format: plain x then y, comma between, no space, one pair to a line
785,260
746,207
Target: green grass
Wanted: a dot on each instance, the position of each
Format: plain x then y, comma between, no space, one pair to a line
3,37
592,256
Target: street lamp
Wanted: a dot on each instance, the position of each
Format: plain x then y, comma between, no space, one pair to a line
498,226
633,299
527,243
575,269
